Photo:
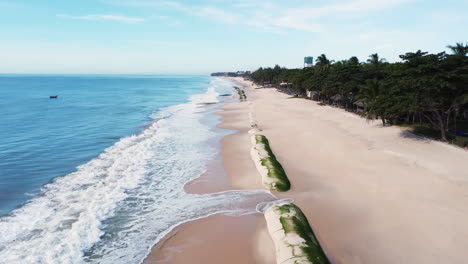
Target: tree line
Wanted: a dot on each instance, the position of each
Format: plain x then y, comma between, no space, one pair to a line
422,87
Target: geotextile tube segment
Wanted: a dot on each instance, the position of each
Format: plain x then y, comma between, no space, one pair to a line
273,175
294,240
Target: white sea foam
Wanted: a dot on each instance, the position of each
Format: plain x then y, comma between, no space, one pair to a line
262,207
114,208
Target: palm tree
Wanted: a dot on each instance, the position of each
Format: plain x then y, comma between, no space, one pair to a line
368,97
459,49
322,60
375,60
353,60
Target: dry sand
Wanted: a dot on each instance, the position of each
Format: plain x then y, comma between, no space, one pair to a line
372,194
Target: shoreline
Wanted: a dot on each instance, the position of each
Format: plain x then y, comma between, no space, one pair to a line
360,185
200,239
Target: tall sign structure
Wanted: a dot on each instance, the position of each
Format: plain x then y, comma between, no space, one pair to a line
308,62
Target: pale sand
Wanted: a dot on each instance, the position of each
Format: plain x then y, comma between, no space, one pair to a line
372,194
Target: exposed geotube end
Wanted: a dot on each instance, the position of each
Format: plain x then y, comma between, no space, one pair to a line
292,235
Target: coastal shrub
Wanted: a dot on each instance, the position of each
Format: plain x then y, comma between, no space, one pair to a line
275,170
460,141
426,131
294,221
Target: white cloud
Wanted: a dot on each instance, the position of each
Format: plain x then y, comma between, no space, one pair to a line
123,19
273,16
309,18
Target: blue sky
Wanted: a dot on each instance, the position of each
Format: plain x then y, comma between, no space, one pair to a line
198,37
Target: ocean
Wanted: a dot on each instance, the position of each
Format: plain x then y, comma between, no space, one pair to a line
97,174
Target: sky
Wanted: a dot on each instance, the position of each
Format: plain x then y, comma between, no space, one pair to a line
199,37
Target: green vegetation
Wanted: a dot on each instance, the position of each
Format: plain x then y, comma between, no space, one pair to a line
296,222
242,95
426,130
275,170
421,88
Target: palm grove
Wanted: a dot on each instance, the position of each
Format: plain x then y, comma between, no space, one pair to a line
423,88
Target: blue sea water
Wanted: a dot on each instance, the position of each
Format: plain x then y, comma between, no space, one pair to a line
97,175
43,138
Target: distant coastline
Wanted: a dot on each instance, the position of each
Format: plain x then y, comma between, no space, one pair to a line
243,74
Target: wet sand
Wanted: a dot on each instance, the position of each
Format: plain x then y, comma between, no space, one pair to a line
216,239
372,194
221,238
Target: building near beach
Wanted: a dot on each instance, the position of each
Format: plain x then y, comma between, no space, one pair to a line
310,94
286,85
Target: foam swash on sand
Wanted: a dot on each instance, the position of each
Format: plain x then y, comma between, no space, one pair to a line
114,208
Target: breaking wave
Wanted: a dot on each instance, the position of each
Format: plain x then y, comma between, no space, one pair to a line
114,208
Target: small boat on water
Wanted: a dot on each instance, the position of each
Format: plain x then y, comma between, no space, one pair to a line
53,96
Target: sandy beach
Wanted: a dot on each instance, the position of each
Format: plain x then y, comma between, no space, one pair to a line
372,194
221,238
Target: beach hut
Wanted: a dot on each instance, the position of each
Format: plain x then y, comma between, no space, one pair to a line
287,86
311,94
337,99
360,105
